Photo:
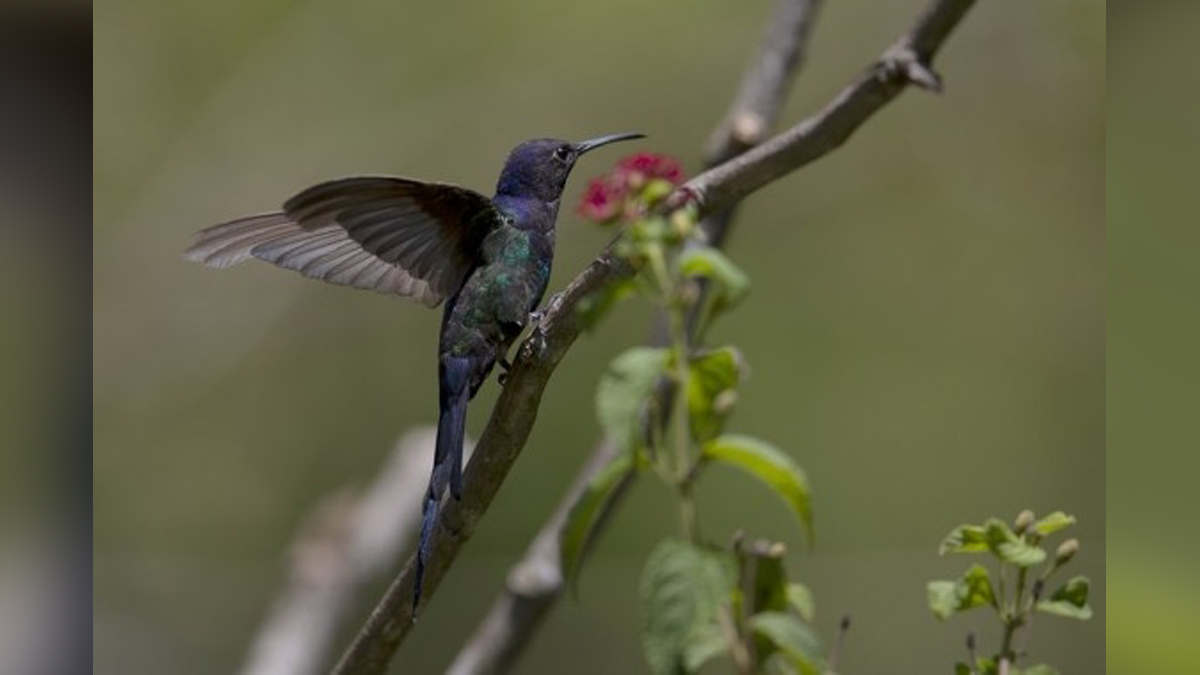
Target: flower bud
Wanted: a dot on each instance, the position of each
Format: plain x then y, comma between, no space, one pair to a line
723,402
655,190
682,223
1023,521
1066,551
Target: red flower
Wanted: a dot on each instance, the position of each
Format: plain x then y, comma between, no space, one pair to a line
650,166
602,200
621,194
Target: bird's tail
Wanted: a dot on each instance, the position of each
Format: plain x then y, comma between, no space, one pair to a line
454,375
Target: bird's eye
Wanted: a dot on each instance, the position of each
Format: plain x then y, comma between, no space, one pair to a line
562,153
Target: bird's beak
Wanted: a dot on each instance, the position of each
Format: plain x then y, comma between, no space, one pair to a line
583,146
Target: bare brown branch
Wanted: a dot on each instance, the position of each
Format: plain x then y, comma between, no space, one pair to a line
766,82
906,62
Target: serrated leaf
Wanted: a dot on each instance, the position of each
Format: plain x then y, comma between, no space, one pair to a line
1011,547
973,589
770,465
576,535
779,663
943,598
791,636
731,283
996,536
712,386
965,539
801,599
1069,600
1053,523
682,590
623,390
704,644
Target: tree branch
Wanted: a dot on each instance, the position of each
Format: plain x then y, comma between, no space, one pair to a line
533,585
905,62
537,582
765,83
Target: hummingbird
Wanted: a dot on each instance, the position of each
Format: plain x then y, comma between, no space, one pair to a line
487,258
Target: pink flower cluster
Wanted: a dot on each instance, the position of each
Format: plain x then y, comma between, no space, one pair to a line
622,193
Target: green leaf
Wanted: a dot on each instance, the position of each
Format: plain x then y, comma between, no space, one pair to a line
682,590
973,589
965,539
1011,547
800,598
961,668
943,598
1053,523
791,636
705,643
577,532
779,663
731,283
770,465
712,389
1069,600
1039,669
996,536
622,392
985,665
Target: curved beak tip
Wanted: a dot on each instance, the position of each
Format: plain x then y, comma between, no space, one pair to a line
593,143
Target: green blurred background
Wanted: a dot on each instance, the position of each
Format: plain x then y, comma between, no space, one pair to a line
926,329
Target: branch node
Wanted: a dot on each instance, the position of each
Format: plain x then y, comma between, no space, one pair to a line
684,195
749,129
903,62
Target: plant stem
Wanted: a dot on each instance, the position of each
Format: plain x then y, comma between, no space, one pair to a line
683,437
737,648
1013,619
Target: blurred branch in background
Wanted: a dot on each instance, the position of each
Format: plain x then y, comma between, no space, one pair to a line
905,62
343,544
537,582
533,585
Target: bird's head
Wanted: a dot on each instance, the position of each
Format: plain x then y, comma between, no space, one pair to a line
539,168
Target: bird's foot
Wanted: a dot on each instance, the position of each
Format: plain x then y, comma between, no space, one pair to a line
504,368
535,344
535,317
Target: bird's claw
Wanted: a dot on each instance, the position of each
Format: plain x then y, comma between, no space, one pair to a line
535,317
535,345
504,367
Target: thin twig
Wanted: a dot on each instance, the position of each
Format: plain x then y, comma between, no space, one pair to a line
516,410
905,62
972,655
839,643
765,84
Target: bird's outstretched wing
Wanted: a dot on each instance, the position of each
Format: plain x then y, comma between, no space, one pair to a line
381,233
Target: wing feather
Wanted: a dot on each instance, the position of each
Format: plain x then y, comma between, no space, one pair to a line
382,233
